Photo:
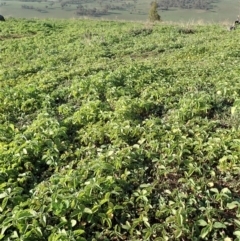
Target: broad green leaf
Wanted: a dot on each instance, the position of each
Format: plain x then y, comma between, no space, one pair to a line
63,220
4,203
26,214
12,127
148,234
103,201
109,222
145,185
237,233
219,225
237,222
205,231
179,219
126,226
202,222
44,220
73,222
145,220
14,235
38,231
141,141
7,221
233,205
95,208
79,232
233,110
227,239
110,153
178,233
215,190
225,190
170,219
87,210
4,228
3,195
118,207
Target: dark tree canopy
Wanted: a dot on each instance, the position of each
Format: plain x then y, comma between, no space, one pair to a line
186,4
2,18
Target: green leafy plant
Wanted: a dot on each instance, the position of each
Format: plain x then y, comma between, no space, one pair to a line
127,132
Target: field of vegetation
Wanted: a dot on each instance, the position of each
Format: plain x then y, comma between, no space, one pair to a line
170,10
119,131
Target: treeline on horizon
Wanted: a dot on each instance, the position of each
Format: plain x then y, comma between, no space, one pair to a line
101,8
186,4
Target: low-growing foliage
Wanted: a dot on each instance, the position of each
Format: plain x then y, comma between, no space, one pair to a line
119,133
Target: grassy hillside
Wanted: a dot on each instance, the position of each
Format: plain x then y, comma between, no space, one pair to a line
119,131
222,10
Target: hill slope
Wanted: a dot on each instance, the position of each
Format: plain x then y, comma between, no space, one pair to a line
118,131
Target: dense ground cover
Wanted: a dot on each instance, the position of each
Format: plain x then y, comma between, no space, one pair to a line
118,131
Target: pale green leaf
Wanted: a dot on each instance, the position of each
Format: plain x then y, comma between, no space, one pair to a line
202,222
3,195
237,233
4,228
205,231
26,214
233,205
179,219
215,190
14,235
78,231
226,190
178,233
219,225
73,222
237,222
38,231
87,210
4,203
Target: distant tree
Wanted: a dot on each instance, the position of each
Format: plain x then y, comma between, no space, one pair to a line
2,18
153,13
